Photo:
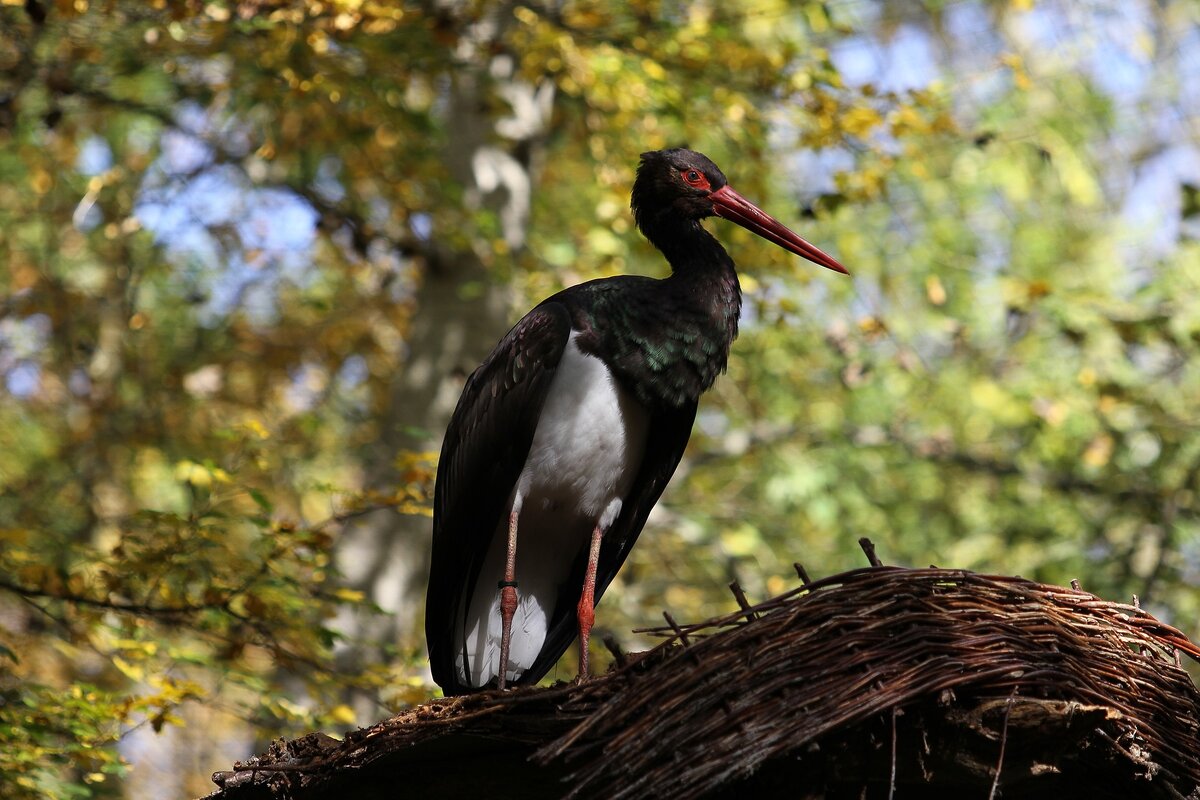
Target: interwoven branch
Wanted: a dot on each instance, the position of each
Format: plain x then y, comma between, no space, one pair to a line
1076,688
854,645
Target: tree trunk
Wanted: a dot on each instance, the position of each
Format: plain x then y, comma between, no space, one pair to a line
494,159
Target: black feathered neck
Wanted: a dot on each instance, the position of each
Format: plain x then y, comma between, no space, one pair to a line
668,211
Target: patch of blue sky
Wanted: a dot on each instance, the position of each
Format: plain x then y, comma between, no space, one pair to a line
1119,73
910,63
353,373
260,301
1189,552
183,153
22,339
276,220
1186,60
972,46
225,290
249,286
1152,208
421,225
308,382
394,272
969,28
1106,41
857,59
95,156
1044,28
1120,62
233,242
194,247
191,118
328,184
23,380
79,382
814,170
218,196
903,61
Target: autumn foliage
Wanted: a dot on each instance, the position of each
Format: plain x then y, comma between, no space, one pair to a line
249,251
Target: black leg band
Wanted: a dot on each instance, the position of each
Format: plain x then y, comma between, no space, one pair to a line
506,584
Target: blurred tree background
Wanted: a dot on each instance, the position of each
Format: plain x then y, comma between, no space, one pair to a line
251,249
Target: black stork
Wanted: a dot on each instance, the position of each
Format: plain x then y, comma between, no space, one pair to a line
567,434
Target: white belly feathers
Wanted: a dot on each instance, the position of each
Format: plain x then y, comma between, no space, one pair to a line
588,443
586,451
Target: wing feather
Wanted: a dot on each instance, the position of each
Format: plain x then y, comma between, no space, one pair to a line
486,444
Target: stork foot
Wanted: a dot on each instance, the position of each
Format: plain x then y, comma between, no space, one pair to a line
587,601
587,617
508,607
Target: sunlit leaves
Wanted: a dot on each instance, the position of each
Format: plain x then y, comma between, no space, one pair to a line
187,397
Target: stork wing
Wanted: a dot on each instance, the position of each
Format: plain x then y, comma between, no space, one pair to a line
485,448
668,436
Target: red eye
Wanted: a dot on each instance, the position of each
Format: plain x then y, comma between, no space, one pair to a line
694,177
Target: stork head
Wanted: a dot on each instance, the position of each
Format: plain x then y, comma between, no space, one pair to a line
683,185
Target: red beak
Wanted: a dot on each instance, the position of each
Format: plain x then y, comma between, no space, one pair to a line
732,206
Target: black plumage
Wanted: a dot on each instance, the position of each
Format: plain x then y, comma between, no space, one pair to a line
663,341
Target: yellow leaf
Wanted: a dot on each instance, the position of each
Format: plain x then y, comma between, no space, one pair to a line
1038,289
193,473
1073,172
860,120
743,540
149,648
344,714
653,69
255,427
1017,64
415,509
872,326
1098,451
349,595
16,536
131,671
934,290
906,120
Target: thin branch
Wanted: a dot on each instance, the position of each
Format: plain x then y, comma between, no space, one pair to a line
139,609
892,779
110,605
1003,741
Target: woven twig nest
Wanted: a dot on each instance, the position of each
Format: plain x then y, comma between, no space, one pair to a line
918,682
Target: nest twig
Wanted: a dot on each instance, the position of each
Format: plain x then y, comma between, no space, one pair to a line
801,687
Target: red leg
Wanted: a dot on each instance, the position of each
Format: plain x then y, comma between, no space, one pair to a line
586,601
508,592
